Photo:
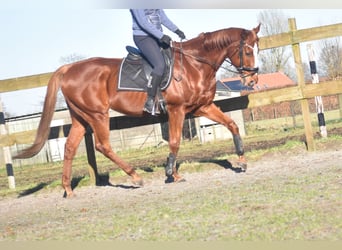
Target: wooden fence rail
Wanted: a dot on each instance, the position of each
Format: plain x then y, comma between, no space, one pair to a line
237,103
301,92
300,36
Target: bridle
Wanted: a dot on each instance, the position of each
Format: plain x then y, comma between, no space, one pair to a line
239,70
242,69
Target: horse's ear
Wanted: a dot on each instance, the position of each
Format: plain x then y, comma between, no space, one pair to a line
257,29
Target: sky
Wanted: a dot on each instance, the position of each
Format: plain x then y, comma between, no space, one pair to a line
33,40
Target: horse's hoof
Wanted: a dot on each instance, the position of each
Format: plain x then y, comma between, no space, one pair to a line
69,195
180,179
171,179
139,183
242,165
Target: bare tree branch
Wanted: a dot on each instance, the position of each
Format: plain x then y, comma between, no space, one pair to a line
330,58
276,59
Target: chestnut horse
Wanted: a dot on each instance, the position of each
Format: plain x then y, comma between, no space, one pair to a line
90,90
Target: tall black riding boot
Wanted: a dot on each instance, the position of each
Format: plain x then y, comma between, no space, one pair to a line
152,88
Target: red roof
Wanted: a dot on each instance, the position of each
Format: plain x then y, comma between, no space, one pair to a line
269,81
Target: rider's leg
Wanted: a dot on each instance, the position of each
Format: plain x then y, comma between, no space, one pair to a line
150,48
152,88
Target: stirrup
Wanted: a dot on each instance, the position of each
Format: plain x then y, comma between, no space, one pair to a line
147,107
154,111
162,106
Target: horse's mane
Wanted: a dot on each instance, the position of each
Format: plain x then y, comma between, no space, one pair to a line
222,38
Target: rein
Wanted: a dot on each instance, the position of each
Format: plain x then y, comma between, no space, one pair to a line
239,70
197,58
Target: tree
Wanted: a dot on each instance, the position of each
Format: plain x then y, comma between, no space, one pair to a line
330,58
4,110
275,59
307,72
74,57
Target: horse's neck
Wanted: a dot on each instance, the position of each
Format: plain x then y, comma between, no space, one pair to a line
213,58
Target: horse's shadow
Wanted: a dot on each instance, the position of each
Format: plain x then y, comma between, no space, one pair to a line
32,190
224,164
104,178
221,163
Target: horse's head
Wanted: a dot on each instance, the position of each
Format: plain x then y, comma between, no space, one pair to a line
243,55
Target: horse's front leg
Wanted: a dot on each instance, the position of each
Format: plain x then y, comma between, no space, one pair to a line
215,114
176,120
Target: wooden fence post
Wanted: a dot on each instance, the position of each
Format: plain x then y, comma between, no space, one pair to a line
301,83
7,152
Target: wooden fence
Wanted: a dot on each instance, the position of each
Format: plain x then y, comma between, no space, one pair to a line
300,92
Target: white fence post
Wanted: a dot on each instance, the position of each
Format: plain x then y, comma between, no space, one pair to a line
7,152
318,99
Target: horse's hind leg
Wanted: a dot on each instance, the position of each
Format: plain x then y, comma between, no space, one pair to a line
214,113
74,138
101,133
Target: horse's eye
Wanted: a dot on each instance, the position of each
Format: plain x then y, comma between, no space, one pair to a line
249,53
249,50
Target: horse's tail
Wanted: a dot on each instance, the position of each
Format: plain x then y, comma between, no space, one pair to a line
45,120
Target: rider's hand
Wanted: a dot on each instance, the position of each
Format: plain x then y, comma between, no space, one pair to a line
180,34
165,40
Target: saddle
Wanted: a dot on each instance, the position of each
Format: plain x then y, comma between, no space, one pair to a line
135,71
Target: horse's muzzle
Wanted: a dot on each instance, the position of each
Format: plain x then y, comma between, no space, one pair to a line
249,79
